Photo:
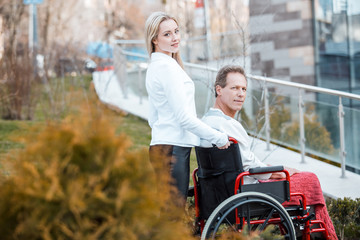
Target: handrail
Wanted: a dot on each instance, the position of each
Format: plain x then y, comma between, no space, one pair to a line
266,79
306,87
198,66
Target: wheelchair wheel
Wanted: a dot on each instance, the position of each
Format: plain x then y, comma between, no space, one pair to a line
255,211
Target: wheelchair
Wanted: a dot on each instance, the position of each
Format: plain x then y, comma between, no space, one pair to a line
224,205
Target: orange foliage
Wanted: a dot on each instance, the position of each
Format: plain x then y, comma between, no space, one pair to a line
78,180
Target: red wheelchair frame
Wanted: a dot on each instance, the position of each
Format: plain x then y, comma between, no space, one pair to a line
302,221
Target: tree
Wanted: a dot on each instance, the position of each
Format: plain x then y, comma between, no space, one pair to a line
64,29
123,19
16,66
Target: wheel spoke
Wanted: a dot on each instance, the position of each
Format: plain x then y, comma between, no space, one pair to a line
248,217
256,209
267,219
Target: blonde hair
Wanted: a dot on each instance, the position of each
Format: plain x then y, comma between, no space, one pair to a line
152,26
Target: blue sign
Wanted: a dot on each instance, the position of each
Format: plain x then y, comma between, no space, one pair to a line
100,49
33,1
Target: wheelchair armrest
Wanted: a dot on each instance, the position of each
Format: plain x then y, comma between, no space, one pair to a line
280,190
260,170
266,169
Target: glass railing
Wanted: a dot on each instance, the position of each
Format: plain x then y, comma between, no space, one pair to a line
307,119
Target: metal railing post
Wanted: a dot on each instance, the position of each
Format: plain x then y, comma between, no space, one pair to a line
341,115
302,139
140,83
267,117
209,92
120,70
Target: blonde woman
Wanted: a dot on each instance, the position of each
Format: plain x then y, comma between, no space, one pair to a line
175,126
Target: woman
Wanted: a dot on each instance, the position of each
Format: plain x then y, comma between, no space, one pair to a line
175,127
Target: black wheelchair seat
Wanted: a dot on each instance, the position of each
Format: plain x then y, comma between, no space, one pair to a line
217,173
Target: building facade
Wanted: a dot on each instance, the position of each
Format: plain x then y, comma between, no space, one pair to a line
311,42
314,42
281,42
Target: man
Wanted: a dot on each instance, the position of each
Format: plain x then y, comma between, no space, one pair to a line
230,93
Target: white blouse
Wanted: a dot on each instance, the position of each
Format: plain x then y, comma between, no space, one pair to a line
172,114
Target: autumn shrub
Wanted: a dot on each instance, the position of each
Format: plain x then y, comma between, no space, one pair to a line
267,234
286,130
345,214
317,136
279,117
77,179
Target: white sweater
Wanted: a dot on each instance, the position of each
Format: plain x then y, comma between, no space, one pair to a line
218,120
172,114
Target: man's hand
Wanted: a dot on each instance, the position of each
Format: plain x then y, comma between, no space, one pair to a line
278,175
292,171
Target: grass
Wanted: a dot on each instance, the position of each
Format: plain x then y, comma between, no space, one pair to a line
11,133
69,95
69,99
7,129
136,128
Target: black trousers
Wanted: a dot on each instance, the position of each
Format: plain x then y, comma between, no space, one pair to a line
178,160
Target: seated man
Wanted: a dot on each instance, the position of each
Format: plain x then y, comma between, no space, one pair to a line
230,93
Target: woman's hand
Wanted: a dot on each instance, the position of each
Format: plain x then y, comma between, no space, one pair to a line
225,146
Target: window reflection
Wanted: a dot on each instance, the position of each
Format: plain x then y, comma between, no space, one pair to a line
337,26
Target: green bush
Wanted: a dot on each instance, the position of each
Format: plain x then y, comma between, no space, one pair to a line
345,214
78,180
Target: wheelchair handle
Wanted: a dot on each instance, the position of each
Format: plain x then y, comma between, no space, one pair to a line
266,169
231,139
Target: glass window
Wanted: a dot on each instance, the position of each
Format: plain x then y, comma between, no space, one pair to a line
337,31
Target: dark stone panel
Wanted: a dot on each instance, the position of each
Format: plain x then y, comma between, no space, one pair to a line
288,39
284,16
278,8
255,57
292,41
257,7
255,61
281,72
267,68
261,7
306,79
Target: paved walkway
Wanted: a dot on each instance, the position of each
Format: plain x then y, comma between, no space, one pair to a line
108,90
